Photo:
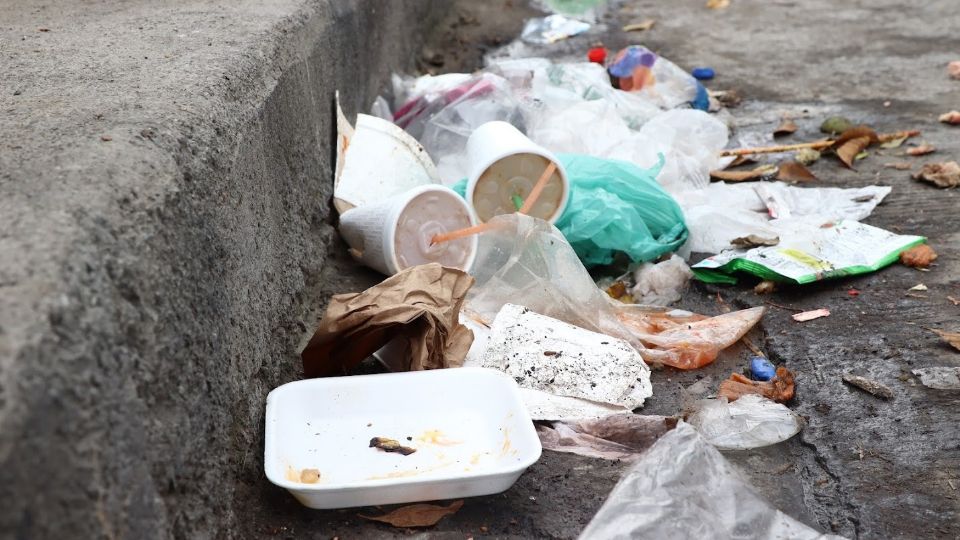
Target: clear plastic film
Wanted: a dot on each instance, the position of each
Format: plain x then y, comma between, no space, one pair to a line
750,422
682,487
526,261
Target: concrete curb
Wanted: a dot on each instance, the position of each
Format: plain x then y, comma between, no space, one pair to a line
165,177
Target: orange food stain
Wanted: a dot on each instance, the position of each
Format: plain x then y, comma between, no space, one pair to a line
435,436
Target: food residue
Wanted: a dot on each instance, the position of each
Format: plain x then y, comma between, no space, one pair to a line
435,436
305,476
391,445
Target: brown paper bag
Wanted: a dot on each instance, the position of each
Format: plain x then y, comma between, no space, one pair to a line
421,305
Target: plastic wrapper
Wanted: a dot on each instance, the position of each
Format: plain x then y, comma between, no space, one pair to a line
552,28
720,212
617,437
526,261
682,487
660,284
638,69
749,422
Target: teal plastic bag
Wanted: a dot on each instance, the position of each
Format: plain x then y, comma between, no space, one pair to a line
616,206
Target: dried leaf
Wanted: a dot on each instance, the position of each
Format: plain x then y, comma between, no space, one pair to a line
760,173
899,165
765,287
956,301
918,287
417,515
780,389
727,98
921,150
835,124
786,127
942,175
811,315
741,160
953,338
791,171
952,118
852,142
753,240
919,256
869,385
640,26
718,4
806,156
893,143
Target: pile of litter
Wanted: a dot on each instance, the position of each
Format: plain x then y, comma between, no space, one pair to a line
486,197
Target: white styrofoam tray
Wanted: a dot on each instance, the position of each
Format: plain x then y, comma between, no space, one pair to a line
472,434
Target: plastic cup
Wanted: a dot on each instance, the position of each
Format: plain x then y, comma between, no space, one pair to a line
395,233
504,166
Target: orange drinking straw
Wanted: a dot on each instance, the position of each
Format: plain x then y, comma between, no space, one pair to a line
527,205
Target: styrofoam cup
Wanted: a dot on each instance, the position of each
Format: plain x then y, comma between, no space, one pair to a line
504,163
395,233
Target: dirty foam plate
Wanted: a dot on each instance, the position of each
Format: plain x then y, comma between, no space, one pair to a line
471,433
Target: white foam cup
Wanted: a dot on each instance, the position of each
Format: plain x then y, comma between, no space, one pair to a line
504,164
395,233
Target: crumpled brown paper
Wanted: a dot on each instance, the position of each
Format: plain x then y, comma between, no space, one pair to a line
421,305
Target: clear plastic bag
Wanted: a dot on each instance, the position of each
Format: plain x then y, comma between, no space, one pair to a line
526,261
682,487
750,422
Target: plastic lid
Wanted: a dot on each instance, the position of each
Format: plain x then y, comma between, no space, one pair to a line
426,215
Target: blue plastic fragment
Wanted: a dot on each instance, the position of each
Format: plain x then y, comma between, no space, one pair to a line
703,73
702,100
761,368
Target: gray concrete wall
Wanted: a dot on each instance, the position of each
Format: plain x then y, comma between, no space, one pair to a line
165,243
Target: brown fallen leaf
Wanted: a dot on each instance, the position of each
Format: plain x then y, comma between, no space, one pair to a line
791,171
942,175
893,143
899,165
753,240
640,26
869,385
953,338
741,160
918,256
780,389
956,301
717,4
921,150
811,315
952,118
852,142
765,287
786,127
727,98
953,69
760,173
417,515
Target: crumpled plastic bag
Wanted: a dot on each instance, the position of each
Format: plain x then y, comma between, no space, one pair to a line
683,487
527,261
750,422
689,344
420,306
660,284
616,207
616,437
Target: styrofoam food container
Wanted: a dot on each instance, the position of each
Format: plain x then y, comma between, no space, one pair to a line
503,162
381,160
396,233
472,434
